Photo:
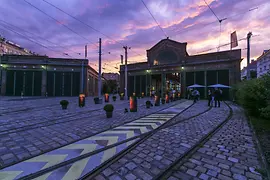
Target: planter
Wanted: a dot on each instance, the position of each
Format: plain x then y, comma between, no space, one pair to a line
121,98
114,98
109,114
148,106
64,104
96,100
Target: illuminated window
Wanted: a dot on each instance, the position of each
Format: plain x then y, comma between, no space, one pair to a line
155,62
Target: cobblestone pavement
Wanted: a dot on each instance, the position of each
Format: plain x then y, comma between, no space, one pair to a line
21,106
55,114
18,146
229,154
197,108
152,156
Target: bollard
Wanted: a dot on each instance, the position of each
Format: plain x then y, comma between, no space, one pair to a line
107,97
157,100
167,99
133,103
81,100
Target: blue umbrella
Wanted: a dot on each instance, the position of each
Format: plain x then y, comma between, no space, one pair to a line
196,86
219,86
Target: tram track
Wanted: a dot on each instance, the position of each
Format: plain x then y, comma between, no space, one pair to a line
34,175
143,138
51,119
70,142
27,109
180,161
86,114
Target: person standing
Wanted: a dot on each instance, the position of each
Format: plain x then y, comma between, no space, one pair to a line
221,96
217,97
209,97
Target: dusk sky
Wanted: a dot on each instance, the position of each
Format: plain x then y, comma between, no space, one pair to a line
127,22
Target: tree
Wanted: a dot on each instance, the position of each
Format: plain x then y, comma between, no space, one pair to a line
254,96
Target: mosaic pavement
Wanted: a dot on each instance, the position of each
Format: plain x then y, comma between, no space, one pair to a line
92,146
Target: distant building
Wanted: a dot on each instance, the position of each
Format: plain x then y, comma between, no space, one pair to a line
41,75
8,47
251,68
263,63
112,76
170,68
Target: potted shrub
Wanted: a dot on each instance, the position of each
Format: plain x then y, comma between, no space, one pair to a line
109,110
64,104
96,100
148,104
114,98
163,101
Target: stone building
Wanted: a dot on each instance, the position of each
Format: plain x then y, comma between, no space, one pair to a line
263,63
41,75
8,47
169,66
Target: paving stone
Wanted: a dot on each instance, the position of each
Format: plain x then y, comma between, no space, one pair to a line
237,171
204,176
99,177
157,157
201,169
226,173
222,177
239,177
192,172
212,173
107,172
7,156
131,165
253,176
130,176
195,161
181,175
233,159
224,166
215,168
221,156
115,177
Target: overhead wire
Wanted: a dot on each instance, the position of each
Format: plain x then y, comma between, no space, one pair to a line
60,22
38,37
162,30
91,27
61,53
206,24
226,44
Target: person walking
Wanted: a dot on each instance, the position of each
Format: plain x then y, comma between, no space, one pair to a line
217,97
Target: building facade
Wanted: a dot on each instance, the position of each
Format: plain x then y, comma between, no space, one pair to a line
170,67
8,47
251,69
263,63
113,77
41,76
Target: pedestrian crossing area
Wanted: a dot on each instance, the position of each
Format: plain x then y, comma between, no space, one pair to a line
92,147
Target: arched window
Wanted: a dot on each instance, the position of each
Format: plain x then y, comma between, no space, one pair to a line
166,57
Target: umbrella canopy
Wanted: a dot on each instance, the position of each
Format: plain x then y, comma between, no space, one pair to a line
195,86
219,86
